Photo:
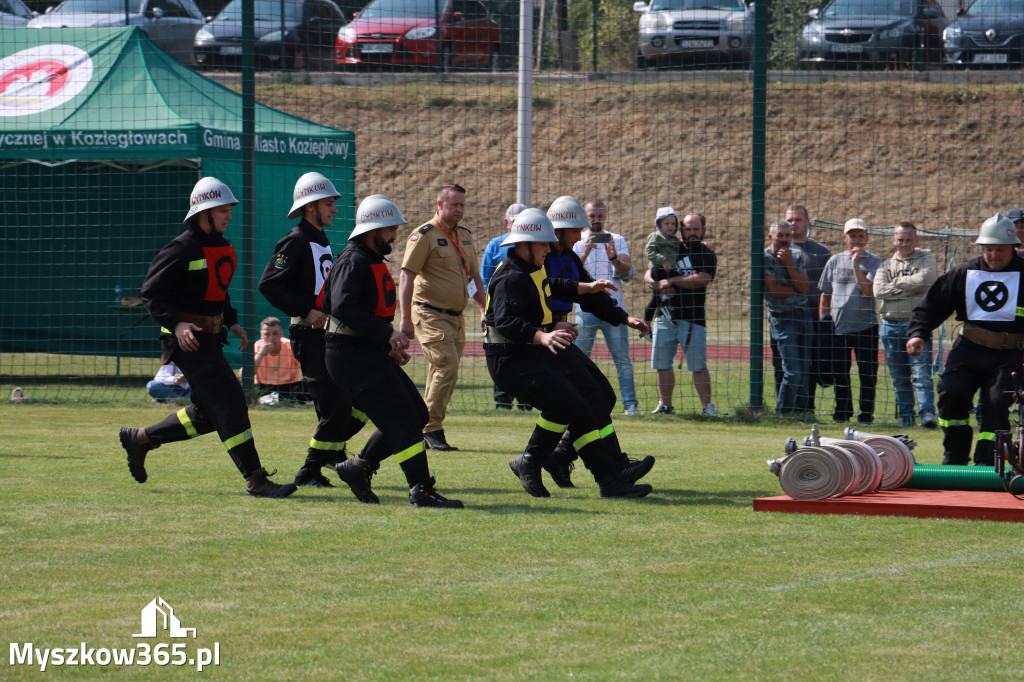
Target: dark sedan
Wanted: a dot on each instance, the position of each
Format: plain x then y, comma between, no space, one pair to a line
988,32
873,33
307,40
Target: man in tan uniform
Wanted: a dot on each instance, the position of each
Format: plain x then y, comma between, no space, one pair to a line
439,273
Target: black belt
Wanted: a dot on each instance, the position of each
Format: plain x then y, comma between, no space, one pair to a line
455,313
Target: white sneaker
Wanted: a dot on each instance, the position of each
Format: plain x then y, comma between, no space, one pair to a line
632,411
709,410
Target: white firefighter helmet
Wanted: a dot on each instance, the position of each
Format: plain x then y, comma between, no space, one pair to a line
375,212
566,213
309,188
997,230
531,226
208,193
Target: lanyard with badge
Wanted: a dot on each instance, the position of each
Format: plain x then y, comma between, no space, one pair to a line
471,286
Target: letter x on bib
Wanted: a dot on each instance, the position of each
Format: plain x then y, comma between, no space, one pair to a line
992,296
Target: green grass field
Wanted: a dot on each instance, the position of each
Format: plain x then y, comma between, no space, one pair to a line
688,583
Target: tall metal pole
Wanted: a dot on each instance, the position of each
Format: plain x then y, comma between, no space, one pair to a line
524,128
757,182
245,264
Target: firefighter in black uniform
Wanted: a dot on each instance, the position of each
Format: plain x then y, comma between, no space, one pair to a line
527,357
987,295
365,354
291,282
569,219
186,291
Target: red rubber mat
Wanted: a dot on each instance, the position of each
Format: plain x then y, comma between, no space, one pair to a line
938,504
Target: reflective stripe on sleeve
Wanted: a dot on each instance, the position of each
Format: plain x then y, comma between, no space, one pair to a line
954,422
325,445
190,428
586,439
549,425
235,441
410,452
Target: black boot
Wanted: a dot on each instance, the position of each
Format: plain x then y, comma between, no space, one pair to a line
436,441
526,467
424,495
136,448
635,469
357,472
614,485
310,474
560,466
259,485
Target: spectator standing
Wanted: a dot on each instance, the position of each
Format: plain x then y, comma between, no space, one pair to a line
848,302
168,384
277,370
898,285
1016,216
987,295
439,275
494,253
695,268
785,296
816,255
605,255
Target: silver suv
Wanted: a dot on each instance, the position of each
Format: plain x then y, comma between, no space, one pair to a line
672,29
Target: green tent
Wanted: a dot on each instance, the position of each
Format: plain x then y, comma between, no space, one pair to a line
102,136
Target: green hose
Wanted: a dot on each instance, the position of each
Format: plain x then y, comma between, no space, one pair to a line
945,477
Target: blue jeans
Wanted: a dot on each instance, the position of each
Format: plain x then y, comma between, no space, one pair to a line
162,392
910,374
617,340
792,336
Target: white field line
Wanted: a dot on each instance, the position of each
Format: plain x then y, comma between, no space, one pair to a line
899,570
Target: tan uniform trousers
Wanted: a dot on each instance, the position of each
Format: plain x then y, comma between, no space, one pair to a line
443,338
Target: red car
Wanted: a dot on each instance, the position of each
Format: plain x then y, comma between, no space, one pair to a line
408,33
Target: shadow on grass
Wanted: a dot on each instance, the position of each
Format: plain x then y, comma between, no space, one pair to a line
719,498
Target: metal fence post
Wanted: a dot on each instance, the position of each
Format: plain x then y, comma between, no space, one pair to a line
757,187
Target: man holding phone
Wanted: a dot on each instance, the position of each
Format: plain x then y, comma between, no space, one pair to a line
605,255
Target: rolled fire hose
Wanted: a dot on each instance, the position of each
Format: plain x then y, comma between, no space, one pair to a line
897,460
869,460
946,477
810,473
852,470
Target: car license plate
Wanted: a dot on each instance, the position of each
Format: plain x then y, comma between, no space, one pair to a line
230,49
696,43
848,49
990,58
376,48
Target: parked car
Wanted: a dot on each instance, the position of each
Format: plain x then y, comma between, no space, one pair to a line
454,33
308,38
171,24
14,13
671,29
987,32
873,33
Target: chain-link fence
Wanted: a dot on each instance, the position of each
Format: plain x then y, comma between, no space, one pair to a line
672,106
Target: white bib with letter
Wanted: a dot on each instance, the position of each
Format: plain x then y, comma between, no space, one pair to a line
992,296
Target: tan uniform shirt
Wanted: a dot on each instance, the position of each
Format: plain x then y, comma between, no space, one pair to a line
433,253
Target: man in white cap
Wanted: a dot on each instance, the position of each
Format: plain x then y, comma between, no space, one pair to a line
491,259
528,356
848,300
186,292
291,282
986,294
365,354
